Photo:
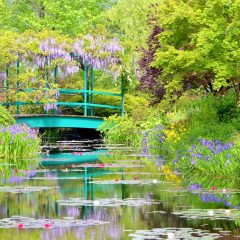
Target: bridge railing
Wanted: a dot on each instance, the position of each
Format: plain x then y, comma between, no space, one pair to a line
88,106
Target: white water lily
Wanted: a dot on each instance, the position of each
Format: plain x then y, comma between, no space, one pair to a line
96,202
170,236
210,212
154,181
227,211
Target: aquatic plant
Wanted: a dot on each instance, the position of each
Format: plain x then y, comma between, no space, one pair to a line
32,223
107,202
213,214
134,181
23,189
174,233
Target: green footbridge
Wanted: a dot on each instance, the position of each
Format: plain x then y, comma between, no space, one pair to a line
36,115
57,119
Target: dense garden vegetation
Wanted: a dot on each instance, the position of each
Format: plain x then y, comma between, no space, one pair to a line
19,148
179,59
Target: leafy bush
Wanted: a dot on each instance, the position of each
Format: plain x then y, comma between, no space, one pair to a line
227,107
210,119
5,117
194,138
120,130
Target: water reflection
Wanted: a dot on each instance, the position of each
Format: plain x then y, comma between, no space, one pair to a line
132,202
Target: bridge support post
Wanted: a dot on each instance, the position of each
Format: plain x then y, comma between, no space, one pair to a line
46,75
85,89
91,88
18,72
55,74
55,82
122,96
7,83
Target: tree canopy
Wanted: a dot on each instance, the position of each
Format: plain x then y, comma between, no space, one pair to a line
69,17
169,46
199,45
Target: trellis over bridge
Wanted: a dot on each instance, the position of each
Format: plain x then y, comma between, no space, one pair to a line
55,120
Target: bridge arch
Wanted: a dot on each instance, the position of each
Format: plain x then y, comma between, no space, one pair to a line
59,121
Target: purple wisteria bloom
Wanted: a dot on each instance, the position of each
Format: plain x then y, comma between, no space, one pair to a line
50,106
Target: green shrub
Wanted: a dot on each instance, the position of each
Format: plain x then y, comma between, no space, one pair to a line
5,117
227,107
120,130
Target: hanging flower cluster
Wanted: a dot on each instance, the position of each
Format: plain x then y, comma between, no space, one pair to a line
50,106
97,52
100,53
51,53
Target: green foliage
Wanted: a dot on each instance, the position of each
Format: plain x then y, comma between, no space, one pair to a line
214,159
19,148
199,44
171,136
19,145
210,118
120,130
8,47
5,117
68,17
128,21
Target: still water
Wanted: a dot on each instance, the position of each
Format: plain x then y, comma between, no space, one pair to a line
120,199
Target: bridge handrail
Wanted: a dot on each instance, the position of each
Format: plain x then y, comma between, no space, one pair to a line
69,91
85,104
69,104
74,91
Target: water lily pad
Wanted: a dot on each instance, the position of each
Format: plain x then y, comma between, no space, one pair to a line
108,202
23,189
211,214
127,182
31,223
174,233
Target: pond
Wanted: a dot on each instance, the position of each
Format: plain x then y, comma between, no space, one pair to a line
120,199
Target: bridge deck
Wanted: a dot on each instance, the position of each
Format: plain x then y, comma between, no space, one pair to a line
58,121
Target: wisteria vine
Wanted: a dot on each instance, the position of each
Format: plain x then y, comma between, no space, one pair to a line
67,57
